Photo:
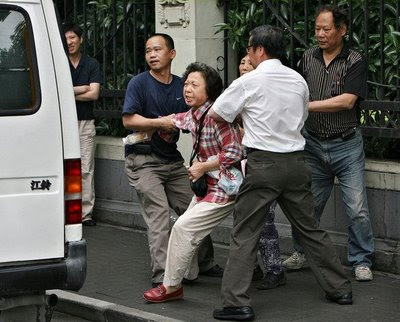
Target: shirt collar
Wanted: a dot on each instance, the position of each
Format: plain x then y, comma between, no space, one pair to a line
344,53
82,61
197,114
271,62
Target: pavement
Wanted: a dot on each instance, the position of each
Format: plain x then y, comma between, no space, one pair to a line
118,274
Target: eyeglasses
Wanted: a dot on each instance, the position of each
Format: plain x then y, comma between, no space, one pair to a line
248,48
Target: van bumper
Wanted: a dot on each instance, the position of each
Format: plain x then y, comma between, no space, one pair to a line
68,273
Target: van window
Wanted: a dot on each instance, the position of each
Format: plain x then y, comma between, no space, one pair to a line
19,85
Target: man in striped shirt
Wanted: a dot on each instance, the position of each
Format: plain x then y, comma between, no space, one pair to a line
336,76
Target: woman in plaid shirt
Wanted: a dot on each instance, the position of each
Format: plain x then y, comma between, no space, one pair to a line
202,86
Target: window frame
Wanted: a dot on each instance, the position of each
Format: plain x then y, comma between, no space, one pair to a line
32,63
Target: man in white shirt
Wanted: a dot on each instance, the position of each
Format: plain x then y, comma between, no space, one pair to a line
272,101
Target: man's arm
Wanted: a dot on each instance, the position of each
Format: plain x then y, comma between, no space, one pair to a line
338,103
141,123
86,93
354,88
215,116
234,97
81,89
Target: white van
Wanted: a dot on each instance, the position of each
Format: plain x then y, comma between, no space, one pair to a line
41,245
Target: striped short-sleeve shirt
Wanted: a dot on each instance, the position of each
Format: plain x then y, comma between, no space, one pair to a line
346,73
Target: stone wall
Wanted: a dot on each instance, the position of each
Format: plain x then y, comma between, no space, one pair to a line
116,203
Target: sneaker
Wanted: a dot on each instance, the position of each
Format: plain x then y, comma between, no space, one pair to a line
363,274
272,281
296,261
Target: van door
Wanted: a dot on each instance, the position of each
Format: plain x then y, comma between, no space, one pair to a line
31,147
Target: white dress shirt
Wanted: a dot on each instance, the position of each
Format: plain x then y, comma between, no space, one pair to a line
273,103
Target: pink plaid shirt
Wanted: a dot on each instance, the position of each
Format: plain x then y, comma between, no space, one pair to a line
217,138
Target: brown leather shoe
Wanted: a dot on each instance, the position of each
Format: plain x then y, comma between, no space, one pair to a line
159,294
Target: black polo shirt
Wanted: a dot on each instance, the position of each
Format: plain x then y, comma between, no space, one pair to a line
88,71
346,73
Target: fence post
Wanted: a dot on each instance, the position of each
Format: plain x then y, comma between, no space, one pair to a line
191,24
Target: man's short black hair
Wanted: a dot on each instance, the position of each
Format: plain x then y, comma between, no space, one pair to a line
340,15
213,81
71,26
271,38
168,39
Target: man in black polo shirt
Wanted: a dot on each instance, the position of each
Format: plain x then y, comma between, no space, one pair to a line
86,78
336,76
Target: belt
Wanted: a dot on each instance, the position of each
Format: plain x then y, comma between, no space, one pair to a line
326,137
139,148
251,150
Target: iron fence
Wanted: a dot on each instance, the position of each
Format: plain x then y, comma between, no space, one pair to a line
380,112
116,31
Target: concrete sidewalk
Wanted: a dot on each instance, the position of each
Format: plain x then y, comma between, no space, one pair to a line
118,274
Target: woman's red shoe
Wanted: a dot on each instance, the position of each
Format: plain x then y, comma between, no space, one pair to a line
159,294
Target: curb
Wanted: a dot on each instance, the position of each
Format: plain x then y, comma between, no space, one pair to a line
102,311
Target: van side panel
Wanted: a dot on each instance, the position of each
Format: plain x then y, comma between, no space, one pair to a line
31,165
69,120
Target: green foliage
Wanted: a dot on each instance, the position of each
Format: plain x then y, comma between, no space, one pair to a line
111,127
244,15
382,148
105,33
115,34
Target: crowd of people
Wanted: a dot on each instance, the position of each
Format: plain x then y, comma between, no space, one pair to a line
289,133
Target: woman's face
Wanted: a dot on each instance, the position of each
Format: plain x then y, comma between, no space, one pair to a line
245,65
194,90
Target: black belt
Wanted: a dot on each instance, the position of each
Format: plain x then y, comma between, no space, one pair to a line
251,150
344,135
139,148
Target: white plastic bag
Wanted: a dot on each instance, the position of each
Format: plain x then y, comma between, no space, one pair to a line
214,173
136,137
230,181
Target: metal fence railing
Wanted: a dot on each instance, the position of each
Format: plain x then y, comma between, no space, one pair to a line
374,29
115,32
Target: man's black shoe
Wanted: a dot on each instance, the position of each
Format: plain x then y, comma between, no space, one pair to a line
272,281
235,313
89,222
189,282
215,271
257,273
346,299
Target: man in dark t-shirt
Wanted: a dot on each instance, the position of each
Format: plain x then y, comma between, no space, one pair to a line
151,98
86,78
155,167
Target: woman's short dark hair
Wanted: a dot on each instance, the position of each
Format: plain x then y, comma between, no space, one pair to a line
340,15
271,38
213,80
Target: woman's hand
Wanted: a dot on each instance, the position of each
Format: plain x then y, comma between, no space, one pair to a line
196,171
167,124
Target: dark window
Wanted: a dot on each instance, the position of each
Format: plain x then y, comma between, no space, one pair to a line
18,85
